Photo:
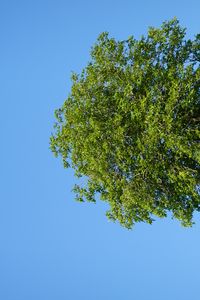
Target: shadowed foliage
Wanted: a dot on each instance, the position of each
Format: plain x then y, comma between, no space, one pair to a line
130,126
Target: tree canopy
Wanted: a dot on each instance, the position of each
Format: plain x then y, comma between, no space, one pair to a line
131,126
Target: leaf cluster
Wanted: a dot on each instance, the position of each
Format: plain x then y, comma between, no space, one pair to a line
131,126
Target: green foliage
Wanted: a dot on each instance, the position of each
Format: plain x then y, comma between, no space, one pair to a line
130,126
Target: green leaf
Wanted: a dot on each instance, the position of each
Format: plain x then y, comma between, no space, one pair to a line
130,127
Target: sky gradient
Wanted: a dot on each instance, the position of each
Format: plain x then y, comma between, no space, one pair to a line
51,246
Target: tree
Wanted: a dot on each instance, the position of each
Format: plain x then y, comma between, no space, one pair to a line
130,126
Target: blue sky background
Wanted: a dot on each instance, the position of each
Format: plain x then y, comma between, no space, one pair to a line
52,247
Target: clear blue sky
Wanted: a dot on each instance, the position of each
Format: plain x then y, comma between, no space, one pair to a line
51,247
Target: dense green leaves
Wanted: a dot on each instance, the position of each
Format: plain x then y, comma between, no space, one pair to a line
131,126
